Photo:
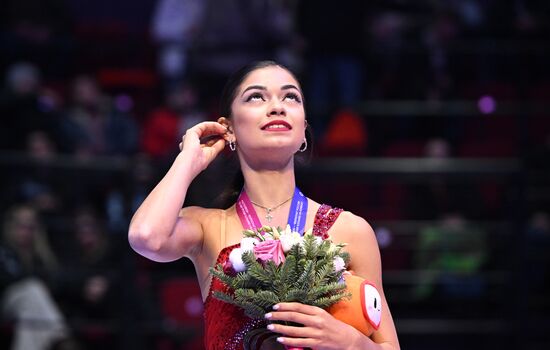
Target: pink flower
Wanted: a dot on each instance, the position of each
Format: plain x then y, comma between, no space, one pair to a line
270,250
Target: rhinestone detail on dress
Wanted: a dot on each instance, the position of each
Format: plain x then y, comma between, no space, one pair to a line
324,218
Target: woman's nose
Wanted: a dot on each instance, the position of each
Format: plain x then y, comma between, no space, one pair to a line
276,109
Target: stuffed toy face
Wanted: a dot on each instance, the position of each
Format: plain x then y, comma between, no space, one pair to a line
363,310
371,304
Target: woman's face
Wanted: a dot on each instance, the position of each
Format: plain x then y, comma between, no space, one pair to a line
24,226
268,113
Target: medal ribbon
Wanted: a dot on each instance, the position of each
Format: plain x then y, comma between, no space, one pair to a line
296,216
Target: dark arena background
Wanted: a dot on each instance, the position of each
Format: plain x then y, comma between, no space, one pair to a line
431,120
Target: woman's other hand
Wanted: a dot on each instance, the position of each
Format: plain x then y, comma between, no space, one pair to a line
320,330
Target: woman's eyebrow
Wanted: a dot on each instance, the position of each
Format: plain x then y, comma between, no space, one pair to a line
251,87
289,86
261,87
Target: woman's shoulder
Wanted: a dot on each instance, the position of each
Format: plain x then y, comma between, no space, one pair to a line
350,228
360,240
209,219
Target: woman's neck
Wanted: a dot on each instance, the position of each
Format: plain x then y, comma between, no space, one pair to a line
269,187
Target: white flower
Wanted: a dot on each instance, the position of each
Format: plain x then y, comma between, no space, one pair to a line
289,239
339,264
248,243
318,240
288,230
332,248
236,259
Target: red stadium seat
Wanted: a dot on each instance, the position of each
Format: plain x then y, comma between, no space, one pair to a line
181,302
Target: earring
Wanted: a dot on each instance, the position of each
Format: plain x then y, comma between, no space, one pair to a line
303,146
232,146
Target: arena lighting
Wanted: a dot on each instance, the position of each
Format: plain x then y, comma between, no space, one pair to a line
486,104
384,236
124,103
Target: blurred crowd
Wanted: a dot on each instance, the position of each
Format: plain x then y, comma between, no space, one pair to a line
95,97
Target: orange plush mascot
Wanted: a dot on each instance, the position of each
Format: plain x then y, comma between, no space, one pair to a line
364,310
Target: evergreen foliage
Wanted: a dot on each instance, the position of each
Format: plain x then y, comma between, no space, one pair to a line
307,276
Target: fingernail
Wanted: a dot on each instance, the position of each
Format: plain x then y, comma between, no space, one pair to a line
280,340
270,327
268,315
275,307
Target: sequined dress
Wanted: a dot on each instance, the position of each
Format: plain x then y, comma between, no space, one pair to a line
224,324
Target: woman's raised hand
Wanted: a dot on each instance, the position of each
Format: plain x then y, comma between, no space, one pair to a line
202,143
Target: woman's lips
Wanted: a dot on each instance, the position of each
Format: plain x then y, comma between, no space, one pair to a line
277,125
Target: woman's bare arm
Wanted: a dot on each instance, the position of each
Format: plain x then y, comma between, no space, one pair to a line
160,230
365,262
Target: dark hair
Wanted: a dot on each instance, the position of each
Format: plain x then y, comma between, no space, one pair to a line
228,95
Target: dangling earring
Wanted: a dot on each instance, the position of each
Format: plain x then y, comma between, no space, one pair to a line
303,146
232,146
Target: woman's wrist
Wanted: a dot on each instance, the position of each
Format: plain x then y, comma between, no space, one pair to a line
185,167
359,342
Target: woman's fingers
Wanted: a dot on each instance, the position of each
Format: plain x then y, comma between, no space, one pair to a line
205,133
211,139
216,147
207,128
288,316
293,331
298,307
299,342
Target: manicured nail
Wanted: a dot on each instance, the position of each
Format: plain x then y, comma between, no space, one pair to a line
280,339
275,307
270,327
268,315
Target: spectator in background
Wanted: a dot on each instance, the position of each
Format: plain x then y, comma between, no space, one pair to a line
334,39
93,126
537,245
124,198
346,135
451,255
438,195
25,106
173,28
233,33
40,30
40,185
27,263
438,35
37,182
90,278
165,125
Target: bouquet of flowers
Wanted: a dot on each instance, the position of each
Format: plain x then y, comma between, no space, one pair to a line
276,265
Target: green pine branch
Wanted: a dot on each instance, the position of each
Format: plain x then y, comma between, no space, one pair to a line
307,276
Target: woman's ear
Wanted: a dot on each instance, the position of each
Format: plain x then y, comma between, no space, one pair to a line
227,123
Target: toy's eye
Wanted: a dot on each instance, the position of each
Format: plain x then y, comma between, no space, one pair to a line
370,303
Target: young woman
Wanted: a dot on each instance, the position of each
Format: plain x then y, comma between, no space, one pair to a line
263,120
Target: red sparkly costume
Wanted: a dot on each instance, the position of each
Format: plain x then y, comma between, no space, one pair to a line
226,324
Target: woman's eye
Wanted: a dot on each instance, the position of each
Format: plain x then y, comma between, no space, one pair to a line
255,97
293,96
